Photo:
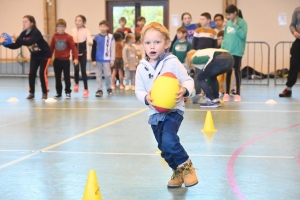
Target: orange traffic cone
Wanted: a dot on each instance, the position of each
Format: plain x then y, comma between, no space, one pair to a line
92,190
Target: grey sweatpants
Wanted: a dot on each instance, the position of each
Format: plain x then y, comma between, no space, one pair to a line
129,76
107,74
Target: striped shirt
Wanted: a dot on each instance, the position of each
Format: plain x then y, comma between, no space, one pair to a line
204,38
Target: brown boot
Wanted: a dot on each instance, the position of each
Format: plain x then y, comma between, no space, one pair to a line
189,174
176,179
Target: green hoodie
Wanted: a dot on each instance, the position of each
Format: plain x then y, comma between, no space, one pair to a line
235,37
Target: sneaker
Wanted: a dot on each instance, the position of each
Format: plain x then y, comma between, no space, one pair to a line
286,93
109,92
122,87
45,96
68,95
226,97
76,88
189,174
196,99
176,179
210,104
99,93
30,96
132,87
127,87
237,97
85,93
57,96
221,94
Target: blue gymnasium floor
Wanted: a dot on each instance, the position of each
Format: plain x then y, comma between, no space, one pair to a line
47,149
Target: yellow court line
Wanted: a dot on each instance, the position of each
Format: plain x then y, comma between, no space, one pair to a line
72,138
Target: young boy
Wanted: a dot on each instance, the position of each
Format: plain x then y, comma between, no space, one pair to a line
125,30
156,40
181,46
204,37
219,22
141,21
118,66
130,61
103,57
62,43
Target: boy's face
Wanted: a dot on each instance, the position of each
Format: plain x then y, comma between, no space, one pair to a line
219,22
103,29
155,44
141,23
204,21
181,35
220,40
122,23
60,29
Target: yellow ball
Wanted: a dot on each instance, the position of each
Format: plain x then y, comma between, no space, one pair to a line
164,91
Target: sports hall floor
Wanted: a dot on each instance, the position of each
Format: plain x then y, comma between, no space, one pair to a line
47,149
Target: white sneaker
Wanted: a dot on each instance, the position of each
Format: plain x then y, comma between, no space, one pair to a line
132,87
127,87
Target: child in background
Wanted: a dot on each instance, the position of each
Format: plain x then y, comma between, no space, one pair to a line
181,46
130,61
40,54
81,36
118,66
125,30
141,21
219,22
186,19
62,43
204,37
235,35
156,40
103,57
140,52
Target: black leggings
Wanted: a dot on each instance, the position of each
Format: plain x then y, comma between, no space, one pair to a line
59,67
237,73
34,65
82,60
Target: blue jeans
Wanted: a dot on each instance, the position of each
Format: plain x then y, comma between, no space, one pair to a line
165,133
220,64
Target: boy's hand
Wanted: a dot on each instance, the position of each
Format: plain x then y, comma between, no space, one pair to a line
112,64
75,62
2,39
180,93
127,66
149,99
94,63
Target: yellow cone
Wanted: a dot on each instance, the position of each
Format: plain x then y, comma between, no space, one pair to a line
92,190
209,124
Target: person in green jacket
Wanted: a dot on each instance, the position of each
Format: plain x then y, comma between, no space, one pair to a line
235,35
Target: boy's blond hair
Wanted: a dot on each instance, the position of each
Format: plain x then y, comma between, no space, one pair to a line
156,26
61,22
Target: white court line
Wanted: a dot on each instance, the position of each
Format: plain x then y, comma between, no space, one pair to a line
154,154
37,108
220,110
15,122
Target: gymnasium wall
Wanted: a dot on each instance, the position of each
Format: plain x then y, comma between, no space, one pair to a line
261,16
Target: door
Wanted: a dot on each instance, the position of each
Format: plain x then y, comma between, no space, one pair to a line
156,10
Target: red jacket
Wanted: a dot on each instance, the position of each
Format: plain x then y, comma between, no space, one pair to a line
62,44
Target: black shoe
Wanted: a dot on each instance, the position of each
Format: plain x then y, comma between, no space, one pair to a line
99,93
286,93
30,96
109,92
210,104
68,95
57,96
45,96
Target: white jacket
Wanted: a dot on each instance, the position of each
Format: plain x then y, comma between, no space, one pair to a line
145,76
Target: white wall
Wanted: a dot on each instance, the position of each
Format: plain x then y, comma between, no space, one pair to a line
261,16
